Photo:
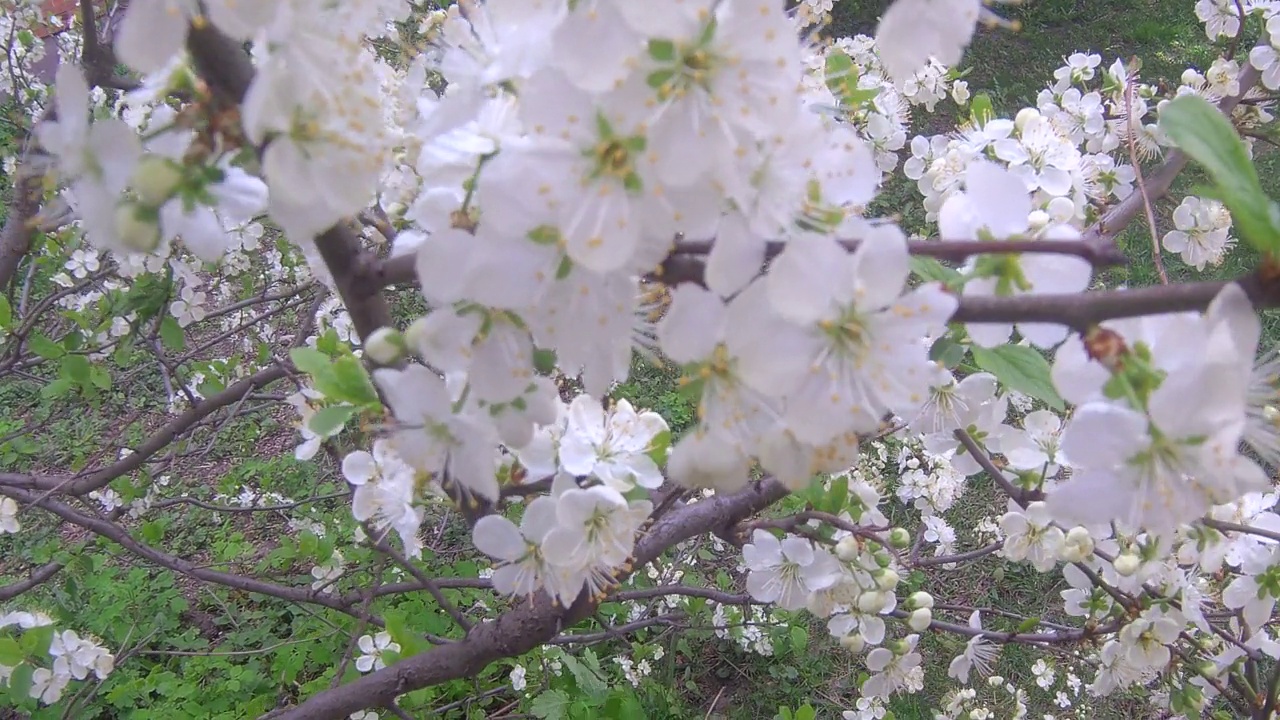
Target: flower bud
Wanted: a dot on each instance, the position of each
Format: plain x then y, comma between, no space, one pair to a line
1127,564
920,619
872,602
899,647
899,538
854,643
385,346
920,599
887,580
415,336
155,179
1024,116
847,549
1077,546
137,228
883,559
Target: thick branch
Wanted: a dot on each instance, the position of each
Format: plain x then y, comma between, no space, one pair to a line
39,576
20,225
225,66
528,626
1080,311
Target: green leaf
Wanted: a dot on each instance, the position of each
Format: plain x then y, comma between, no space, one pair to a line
37,640
44,347
1028,625
981,111
1208,137
930,269
171,334
662,50
588,681
328,421
842,79
20,684
658,448
1020,368
351,382
805,712
838,495
309,360
10,652
411,643
550,705
77,368
100,377
947,351
57,388
799,639
6,312
152,532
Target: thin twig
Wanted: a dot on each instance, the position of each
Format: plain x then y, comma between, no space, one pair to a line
1132,142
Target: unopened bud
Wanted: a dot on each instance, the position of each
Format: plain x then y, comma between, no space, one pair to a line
920,599
1024,116
847,549
887,580
385,346
1127,564
899,647
1079,535
872,602
920,619
883,559
415,336
854,643
137,228
155,179
899,538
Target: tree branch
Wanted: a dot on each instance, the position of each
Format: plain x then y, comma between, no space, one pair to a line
39,576
111,531
524,628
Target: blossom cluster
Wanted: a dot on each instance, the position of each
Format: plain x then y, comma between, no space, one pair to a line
70,657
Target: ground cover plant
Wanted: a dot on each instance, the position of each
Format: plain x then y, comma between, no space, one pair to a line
727,358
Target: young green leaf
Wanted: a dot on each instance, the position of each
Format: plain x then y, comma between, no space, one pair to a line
171,334
1207,136
1020,368
44,347
930,269
550,705
328,421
